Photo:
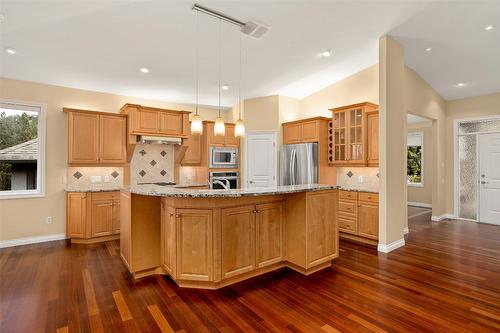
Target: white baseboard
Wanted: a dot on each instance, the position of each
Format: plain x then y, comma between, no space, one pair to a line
420,204
406,230
437,218
31,240
386,248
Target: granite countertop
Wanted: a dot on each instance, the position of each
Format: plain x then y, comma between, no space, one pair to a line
358,189
93,188
170,191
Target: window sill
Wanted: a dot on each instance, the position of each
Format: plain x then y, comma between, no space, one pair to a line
21,195
415,184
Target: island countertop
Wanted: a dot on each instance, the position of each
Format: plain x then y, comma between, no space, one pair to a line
169,191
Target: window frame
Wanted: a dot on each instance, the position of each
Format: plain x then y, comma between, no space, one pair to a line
39,192
409,183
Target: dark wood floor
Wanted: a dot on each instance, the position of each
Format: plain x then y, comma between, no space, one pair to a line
446,279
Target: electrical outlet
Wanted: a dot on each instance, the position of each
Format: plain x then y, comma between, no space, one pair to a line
360,179
106,179
48,220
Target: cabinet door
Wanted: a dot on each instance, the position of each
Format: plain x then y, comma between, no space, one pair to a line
310,131
292,133
339,138
269,228
125,228
237,241
372,138
171,123
212,139
193,152
148,121
168,239
231,140
194,228
116,216
356,136
113,137
368,220
76,215
102,218
322,228
83,137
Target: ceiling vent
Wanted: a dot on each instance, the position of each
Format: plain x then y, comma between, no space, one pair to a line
254,29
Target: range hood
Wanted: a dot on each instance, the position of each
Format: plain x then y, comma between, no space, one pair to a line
159,140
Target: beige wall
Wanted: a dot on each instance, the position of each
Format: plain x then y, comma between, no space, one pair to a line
26,217
359,87
423,194
473,107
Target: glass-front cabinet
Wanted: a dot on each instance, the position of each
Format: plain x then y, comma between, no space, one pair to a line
348,137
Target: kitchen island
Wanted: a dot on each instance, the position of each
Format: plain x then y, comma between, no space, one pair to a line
213,238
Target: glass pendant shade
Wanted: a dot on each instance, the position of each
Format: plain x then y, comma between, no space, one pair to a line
239,129
219,127
196,125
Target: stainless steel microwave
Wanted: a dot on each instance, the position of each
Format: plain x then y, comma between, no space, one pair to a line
223,157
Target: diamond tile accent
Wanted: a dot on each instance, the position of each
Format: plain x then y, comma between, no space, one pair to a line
115,174
350,174
153,163
142,173
163,153
142,152
163,172
77,175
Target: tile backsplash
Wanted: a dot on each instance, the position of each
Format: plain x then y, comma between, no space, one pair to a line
82,176
358,177
152,163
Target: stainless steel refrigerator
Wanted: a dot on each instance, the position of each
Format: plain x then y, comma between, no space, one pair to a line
299,164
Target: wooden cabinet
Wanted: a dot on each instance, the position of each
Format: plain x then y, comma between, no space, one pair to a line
237,240
228,140
76,215
372,130
145,120
126,228
93,214
306,130
193,149
168,251
269,234
358,216
96,137
348,134
194,232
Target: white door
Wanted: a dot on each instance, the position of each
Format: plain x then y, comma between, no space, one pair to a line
261,159
489,178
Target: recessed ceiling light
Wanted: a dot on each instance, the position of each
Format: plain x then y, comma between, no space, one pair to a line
461,84
225,87
144,70
326,53
428,49
488,28
10,51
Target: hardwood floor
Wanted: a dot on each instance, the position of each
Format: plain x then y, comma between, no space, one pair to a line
446,279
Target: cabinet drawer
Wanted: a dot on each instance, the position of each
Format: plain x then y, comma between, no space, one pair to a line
348,195
349,226
348,207
368,197
115,195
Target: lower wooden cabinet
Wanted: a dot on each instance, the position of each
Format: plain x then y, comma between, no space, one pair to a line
168,225
358,216
368,220
269,234
92,214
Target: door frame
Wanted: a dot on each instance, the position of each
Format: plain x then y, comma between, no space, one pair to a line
456,175
275,137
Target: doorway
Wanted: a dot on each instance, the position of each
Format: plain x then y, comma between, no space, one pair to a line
261,159
477,170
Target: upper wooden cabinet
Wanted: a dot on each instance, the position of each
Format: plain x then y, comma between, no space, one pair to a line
349,138
145,120
227,140
96,137
193,149
373,134
306,130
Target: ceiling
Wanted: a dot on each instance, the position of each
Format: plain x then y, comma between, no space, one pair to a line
102,45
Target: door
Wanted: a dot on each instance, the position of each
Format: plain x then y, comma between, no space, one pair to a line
305,163
214,140
193,152
368,220
116,216
149,121
83,132
261,160
286,172
194,229
489,178
237,241
102,218
310,131
292,133
113,138
269,233
168,238
372,136
231,139
171,123
76,215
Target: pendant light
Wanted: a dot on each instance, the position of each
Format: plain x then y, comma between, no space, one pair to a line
239,129
219,127
196,122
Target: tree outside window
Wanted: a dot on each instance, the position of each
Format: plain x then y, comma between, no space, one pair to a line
414,158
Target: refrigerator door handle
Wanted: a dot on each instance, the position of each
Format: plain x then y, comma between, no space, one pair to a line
292,167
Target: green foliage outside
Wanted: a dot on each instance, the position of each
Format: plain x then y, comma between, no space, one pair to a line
14,129
414,167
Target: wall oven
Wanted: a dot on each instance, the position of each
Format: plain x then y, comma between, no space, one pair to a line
223,180
223,157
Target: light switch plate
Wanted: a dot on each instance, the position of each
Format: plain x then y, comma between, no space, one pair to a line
360,179
96,179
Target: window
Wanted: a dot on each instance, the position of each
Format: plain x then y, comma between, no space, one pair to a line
415,158
22,149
